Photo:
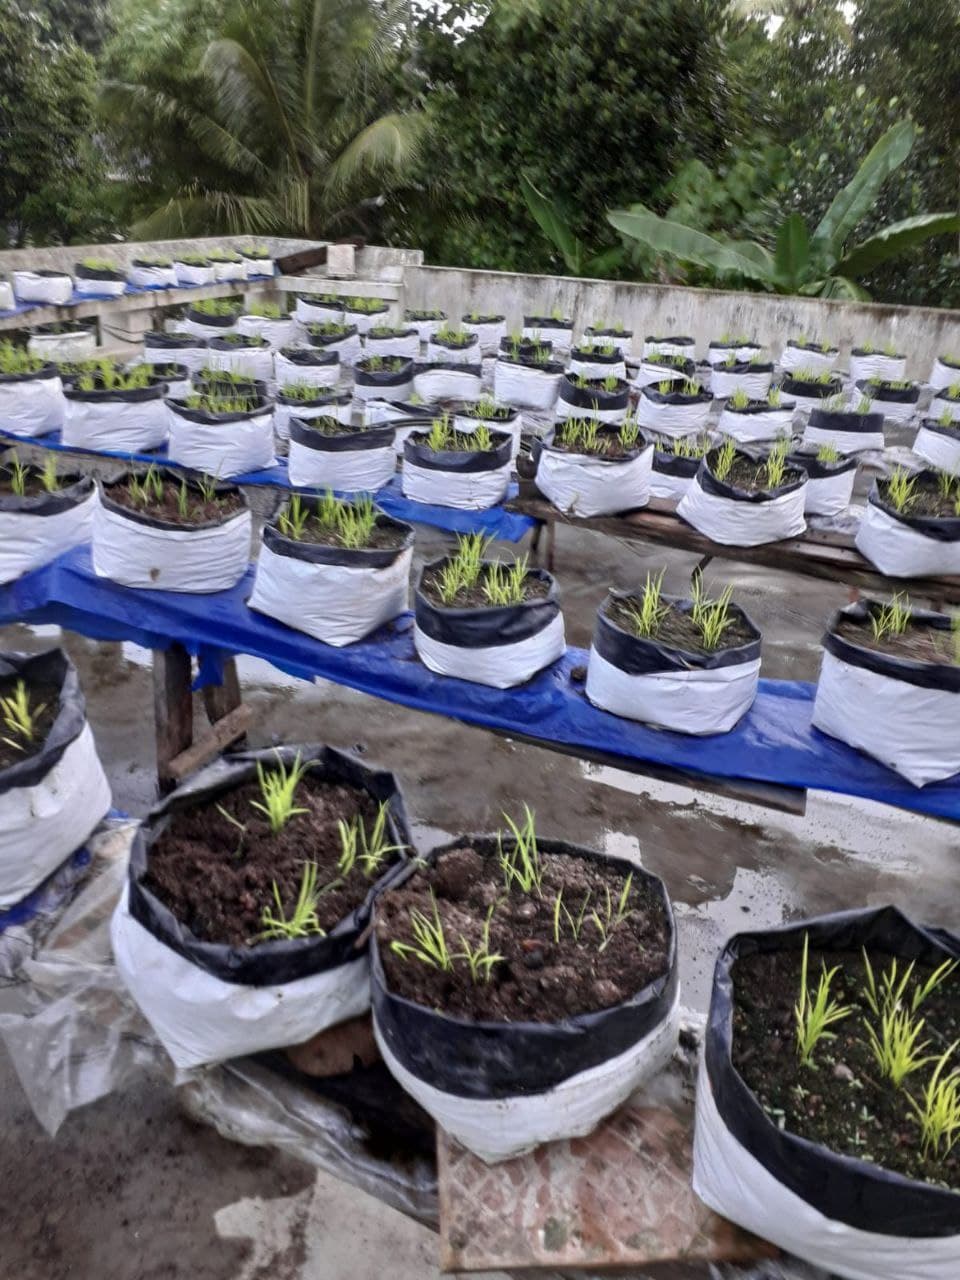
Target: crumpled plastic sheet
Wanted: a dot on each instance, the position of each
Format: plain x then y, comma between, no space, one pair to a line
75,1036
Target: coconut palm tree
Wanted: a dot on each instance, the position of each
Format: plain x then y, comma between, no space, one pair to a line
288,117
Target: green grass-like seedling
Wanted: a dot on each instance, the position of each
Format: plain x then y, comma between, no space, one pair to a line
575,923
901,489
48,476
827,453
614,914
815,1014
776,464
19,718
740,399
647,618
891,619
278,791
938,1112
629,433
429,944
303,923
521,865
710,617
724,459
370,850
480,959
293,519
506,586
17,360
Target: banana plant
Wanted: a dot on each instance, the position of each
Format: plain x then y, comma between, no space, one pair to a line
577,258
820,263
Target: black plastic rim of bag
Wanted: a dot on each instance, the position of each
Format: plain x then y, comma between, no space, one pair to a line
55,668
48,273
951,364
553,368
98,273
173,341
472,371
624,334
880,355
842,1188
454,345
205,417
668,463
818,469
213,321
523,345
759,407
675,397
321,400
547,445
546,322
152,263
814,348
267,963
751,344
43,374
331,339
944,676
508,1059
646,657
478,319
197,266
883,393
422,317
310,359
938,528
353,557
588,397
461,461
367,311
227,384
157,390
166,371
392,335
384,377
74,489
709,483
597,357
846,420
948,433
676,340
674,366
221,489
239,342
352,440
485,626
256,256
811,390
742,367
944,394
504,414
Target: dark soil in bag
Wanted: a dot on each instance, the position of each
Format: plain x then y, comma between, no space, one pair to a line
45,705
677,630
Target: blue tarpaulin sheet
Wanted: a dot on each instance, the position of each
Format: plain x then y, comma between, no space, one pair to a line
774,743
496,522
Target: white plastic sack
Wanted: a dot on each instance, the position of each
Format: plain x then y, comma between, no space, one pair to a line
258,268
584,485
177,388
743,524
562,338
193,358
667,486
318,313
226,272
376,412
612,417
894,410
365,320
845,442
877,365
525,386
596,369
651,375
899,551
29,286
500,1128
255,363
686,349
201,1019
78,344
347,471
223,449
399,391
188,274
408,346
7,298
198,329
99,288
348,348
403,430
940,405
794,358
696,701
279,333
282,413
425,328
944,375
436,385
829,495
32,406
805,404
466,490
673,420
124,426
42,825
152,277
724,382
749,428
29,540
289,372
720,355
731,1181
336,604
154,559
440,353
499,666
936,448
488,335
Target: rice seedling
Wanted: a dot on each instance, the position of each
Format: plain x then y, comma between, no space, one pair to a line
891,619
215,306
17,360
774,397
691,446
480,960
828,453
665,387
183,500
863,405
521,865
439,435
429,945
293,519
739,400
485,407
541,355
938,1112
731,361
835,404
301,391
461,572
266,310
220,403
147,488
366,305
18,477
945,419
867,348
775,466
193,260
327,512
944,483
901,489
328,329
724,459
371,851
454,337
155,260
611,383
303,922
648,617
99,264
691,387
224,255
48,476
891,991
19,718
629,433
815,1014
897,1048
482,440
711,617
579,434
104,375
506,586
278,791
614,914
890,350
575,923
357,521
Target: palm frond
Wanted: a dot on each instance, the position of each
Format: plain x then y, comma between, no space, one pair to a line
196,212
388,144
247,94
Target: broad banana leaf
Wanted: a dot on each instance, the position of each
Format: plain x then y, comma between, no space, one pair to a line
841,287
554,227
792,258
676,240
896,239
856,199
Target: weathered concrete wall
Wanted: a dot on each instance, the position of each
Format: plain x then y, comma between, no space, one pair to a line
921,332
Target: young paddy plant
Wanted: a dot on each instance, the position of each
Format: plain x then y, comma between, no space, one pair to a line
648,617
891,619
461,572
775,466
48,476
897,1047
815,1014
710,617
629,433
740,399
356,521
303,922
18,477
17,360
724,460
293,519
371,849
827,453
429,945
481,961
506,586
561,913
613,915
938,1111
521,865
19,718
278,792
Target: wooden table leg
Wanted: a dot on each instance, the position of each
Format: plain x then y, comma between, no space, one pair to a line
220,699
172,708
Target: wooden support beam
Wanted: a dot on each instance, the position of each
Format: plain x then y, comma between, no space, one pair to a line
226,731
172,709
220,699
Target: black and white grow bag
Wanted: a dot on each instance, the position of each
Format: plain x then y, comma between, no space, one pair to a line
77,341
207,1001
52,799
797,356
405,420
829,487
334,594
257,266
251,357
194,273
754,379
311,309
124,421
443,381
31,404
739,518
720,352
944,404
653,370
221,444
848,1216
489,330
471,481
325,404
35,530
308,366
507,419
945,372
228,269
673,413
346,346
904,713
393,342
808,396
844,430
756,422
426,323
899,404
672,473
278,331
359,462
137,549
549,329
503,1088
585,485
593,401
905,546
99,281
175,377
679,689
500,646
939,445
526,384
594,364
366,319
144,274
377,384
204,324
867,365
7,298
441,350
183,348
672,345
55,288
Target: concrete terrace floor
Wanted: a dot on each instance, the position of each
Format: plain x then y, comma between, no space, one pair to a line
133,1190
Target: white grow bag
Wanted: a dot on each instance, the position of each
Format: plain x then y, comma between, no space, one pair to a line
159,349
138,550
103,420
255,363
425,328
189,274
54,288
844,431
596,368
365,320
406,344
941,405
717,354
441,382
75,344
755,381
255,268
227,272
488,331
673,414
595,404
347,348
829,487
333,595
673,346
940,446
793,358
586,485
319,312
468,481
288,369
751,426
32,405
526,386
91,287
206,330
35,530
383,384
713,510
331,405
672,474
512,425
899,411
278,332
360,462
899,546
651,374
876,365
7,298
546,329
223,445
51,801
441,352
144,276
944,374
